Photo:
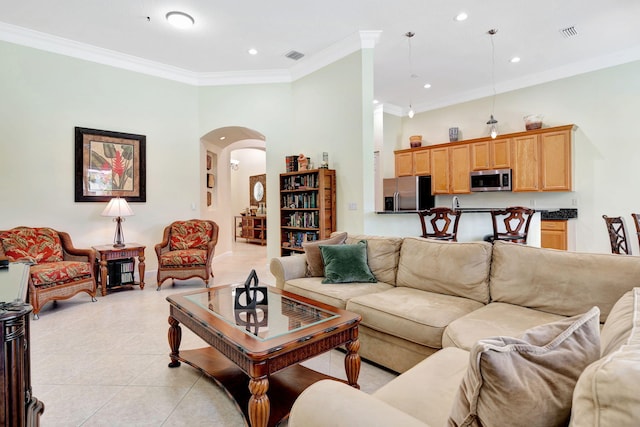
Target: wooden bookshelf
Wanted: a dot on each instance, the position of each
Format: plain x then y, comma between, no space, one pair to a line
307,208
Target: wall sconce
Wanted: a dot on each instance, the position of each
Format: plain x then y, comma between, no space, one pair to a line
117,208
234,164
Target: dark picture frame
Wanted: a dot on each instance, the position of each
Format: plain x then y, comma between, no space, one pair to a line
109,164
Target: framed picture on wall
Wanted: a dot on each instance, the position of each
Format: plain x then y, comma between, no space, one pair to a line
211,181
109,164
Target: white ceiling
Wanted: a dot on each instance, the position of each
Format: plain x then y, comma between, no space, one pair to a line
454,57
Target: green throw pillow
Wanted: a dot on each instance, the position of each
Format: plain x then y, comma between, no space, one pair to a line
346,263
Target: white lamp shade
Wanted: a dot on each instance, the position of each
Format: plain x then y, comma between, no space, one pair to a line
117,207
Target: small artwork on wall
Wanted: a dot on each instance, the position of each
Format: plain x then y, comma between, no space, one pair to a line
208,198
210,180
209,161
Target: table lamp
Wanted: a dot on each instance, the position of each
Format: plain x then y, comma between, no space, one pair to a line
117,208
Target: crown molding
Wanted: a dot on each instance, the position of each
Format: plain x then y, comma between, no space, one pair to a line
50,43
353,43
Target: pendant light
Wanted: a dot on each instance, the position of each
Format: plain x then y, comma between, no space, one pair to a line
409,35
493,123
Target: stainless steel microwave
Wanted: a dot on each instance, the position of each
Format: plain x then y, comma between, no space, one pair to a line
491,180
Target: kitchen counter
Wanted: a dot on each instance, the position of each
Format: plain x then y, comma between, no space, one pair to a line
545,214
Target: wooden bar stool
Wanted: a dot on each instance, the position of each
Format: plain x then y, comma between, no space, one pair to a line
511,224
443,222
617,235
636,221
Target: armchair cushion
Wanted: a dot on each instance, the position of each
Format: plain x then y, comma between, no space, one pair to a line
59,272
34,245
190,234
183,258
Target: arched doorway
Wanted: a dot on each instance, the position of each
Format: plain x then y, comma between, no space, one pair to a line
220,201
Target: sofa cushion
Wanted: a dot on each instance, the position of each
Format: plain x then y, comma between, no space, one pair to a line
346,263
427,390
315,266
32,245
458,269
192,234
337,294
607,392
183,258
560,282
528,381
494,319
411,314
59,272
382,255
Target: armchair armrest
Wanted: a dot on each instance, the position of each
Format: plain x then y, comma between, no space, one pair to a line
163,246
332,403
71,253
288,267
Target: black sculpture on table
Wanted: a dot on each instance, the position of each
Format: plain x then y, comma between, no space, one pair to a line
255,300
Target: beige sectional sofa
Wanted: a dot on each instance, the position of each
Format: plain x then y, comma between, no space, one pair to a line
438,299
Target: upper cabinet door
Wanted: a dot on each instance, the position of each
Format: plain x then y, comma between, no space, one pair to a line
404,164
555,164
525,163
422,162
480,157
501,153
440,170
459,166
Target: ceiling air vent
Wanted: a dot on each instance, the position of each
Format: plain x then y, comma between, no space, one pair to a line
569,32
292,54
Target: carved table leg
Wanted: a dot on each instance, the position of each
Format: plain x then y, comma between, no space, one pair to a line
175,335
352,363
103,276
141,269
259,402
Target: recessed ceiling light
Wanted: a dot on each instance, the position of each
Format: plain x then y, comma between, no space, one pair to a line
222,138
180,19
515,59
253,51
461,17
375,101
427,85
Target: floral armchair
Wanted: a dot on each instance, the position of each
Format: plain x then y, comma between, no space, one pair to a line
186,250
58,270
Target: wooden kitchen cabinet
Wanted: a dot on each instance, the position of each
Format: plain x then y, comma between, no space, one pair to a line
494,154
553,234
422,162
459,169
450,170
555,161
440,170
542,161
404,164
525,163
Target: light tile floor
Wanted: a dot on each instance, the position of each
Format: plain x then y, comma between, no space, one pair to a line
105,363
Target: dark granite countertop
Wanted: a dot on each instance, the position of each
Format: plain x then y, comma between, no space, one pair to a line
546,214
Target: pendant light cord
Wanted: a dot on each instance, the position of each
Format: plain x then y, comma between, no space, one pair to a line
493,70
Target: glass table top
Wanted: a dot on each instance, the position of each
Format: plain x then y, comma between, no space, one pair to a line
263,314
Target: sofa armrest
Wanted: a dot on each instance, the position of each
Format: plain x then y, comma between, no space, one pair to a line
332,403
288,267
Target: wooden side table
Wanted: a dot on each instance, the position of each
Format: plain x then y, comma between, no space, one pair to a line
106,253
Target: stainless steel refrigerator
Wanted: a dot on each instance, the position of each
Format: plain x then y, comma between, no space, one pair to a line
407,193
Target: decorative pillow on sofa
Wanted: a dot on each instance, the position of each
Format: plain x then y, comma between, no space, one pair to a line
528,381
315,266
346,263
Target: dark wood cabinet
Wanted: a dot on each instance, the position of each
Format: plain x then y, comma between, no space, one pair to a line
18,407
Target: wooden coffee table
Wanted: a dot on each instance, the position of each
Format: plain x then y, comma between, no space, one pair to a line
254,353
